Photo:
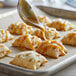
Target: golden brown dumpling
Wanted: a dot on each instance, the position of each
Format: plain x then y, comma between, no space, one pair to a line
69,39
27,41
30,59
5,36
50,33
20,29
4,50
60,25
43,19
51,48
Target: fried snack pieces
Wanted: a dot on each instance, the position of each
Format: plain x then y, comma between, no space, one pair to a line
50,33
61,25
30,59
4,50
27,41
20,29
69,39
52,49
5,36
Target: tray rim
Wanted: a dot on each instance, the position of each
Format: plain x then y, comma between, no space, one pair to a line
51,70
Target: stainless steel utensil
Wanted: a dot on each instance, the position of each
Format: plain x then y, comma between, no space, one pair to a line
27,15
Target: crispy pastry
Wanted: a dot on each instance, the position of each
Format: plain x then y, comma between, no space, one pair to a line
19,29
43,19
30,59
5,36
60,25
69,39
50,33
4,50
52,49
27,41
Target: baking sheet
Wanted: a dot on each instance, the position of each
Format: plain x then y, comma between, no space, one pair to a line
51,67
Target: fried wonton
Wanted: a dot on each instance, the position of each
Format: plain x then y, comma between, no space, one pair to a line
69,39
52,49
43,19
5,36
4,50
27,41
30,59
20,29
61,25
50,33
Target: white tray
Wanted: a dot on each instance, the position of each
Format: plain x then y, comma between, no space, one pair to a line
53,66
